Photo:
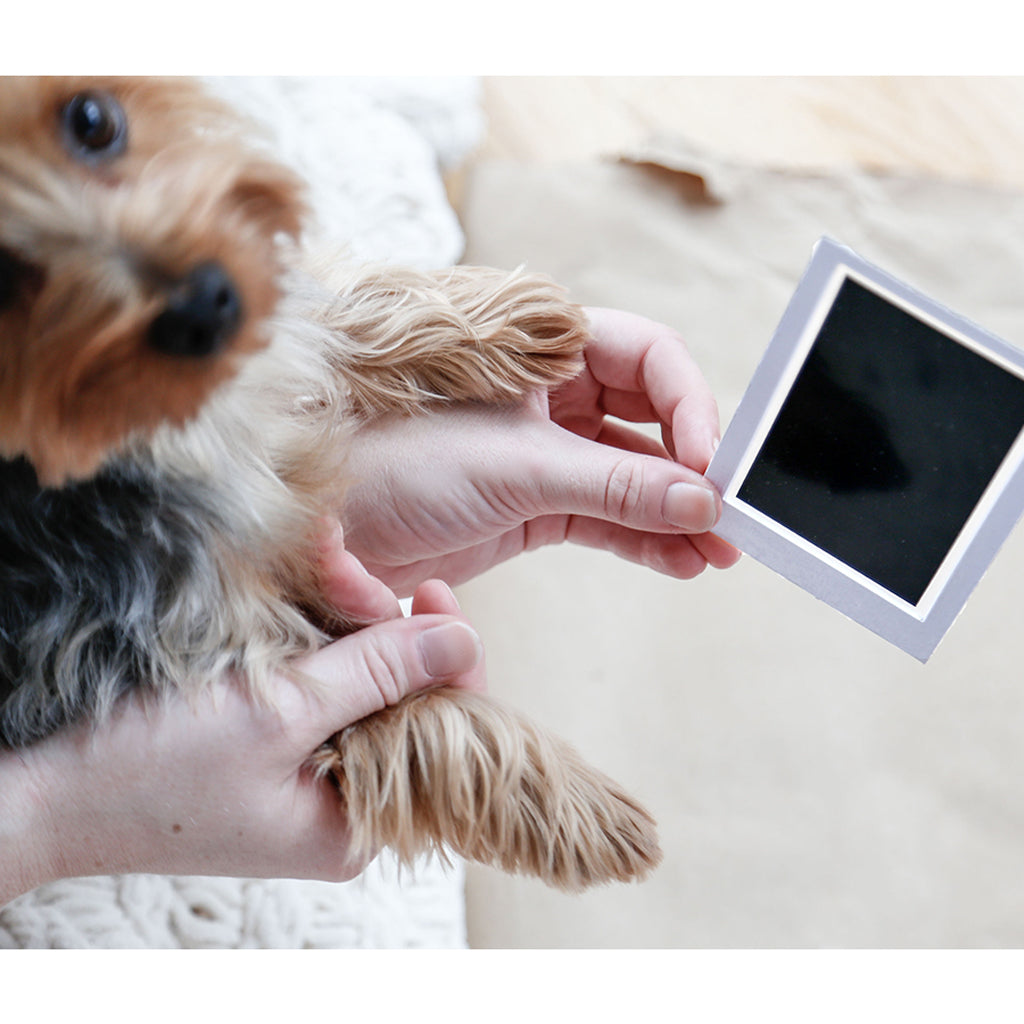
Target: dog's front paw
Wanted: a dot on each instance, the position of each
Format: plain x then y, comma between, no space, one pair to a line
405,339
523,331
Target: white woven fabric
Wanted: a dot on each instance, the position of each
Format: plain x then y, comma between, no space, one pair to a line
373,151
377,910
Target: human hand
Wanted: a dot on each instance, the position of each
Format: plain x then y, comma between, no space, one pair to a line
220,786
459,490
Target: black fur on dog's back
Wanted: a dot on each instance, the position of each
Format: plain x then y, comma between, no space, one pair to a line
88,574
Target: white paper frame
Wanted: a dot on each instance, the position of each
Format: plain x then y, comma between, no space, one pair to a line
919,628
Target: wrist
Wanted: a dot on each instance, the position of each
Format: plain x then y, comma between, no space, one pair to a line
29,853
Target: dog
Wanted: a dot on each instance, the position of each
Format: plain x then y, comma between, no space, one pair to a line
178,382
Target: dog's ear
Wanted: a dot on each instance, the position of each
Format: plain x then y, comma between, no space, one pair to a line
273,195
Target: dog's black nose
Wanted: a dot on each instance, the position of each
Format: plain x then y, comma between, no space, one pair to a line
203,312
8,278
12,275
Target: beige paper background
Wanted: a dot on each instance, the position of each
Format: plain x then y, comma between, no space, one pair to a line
814,786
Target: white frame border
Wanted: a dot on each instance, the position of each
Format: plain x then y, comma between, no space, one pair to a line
917,629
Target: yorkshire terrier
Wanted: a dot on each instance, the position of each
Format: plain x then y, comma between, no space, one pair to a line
176,388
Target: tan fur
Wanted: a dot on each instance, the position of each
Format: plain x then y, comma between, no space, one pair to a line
467,333
74,378
263,424
450,768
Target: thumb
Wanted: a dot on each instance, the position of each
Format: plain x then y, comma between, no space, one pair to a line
645,492
380,665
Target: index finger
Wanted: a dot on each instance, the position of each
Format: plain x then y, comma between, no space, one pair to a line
639,361
346,584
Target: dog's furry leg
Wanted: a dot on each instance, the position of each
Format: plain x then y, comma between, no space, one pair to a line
405,338
448,768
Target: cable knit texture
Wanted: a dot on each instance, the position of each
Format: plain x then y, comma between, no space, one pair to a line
373,151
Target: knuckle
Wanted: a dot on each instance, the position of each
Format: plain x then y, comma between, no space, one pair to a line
668,336
665,346
624,489
384,669
675,338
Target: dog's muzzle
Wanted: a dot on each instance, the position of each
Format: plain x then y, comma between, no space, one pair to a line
203,313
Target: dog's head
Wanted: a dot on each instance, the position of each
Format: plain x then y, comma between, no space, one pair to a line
139,237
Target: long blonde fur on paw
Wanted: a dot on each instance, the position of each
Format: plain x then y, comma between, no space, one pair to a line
452,768
407,338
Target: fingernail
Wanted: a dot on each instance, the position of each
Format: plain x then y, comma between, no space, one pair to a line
690,506
449,649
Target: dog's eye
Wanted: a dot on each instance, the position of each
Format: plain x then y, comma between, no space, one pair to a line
95,127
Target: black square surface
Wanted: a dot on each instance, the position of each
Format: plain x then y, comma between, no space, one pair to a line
887,440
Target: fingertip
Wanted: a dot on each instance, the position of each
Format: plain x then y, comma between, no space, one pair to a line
695,438
330,543
381,665
691,507
720,554
449,650
435,597
728,557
